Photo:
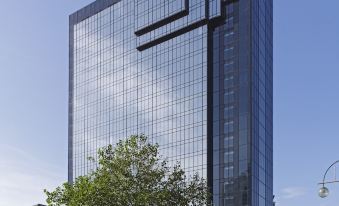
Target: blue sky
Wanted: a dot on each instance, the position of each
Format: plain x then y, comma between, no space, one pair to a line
33,101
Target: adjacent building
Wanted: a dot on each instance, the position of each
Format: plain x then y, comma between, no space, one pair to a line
196,76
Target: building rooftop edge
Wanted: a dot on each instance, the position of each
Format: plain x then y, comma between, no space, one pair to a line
90,10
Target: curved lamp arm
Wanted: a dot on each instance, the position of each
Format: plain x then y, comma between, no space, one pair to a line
336,162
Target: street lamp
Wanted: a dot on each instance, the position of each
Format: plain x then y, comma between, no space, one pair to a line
324,191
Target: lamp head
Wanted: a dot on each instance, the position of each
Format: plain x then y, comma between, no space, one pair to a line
323,192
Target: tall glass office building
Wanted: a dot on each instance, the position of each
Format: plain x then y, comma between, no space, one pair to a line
196,76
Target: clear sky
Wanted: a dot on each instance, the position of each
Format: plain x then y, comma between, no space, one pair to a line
34,82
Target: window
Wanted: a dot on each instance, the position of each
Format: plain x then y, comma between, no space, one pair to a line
229,52
229,200
229,82
243,152
243,137
228,66
229,97
228,127
243,168
228,142
229,23
228,172
229,112
228,186
228,157
229,37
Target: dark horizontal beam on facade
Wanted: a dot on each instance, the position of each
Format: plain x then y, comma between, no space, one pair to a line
172,35
162,22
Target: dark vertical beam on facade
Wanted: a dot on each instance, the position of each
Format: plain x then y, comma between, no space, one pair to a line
210,112
250,109
209,102
70,99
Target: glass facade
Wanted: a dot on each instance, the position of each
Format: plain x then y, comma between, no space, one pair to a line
193,75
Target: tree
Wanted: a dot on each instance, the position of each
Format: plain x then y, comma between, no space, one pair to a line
132,174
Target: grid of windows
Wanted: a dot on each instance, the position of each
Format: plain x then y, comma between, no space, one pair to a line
104,74
262,102
225,101
118,91
175,109
214,8
246,124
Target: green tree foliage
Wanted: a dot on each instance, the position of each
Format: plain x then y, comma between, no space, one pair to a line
132,174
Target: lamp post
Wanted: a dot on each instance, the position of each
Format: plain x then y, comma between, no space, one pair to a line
324,191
